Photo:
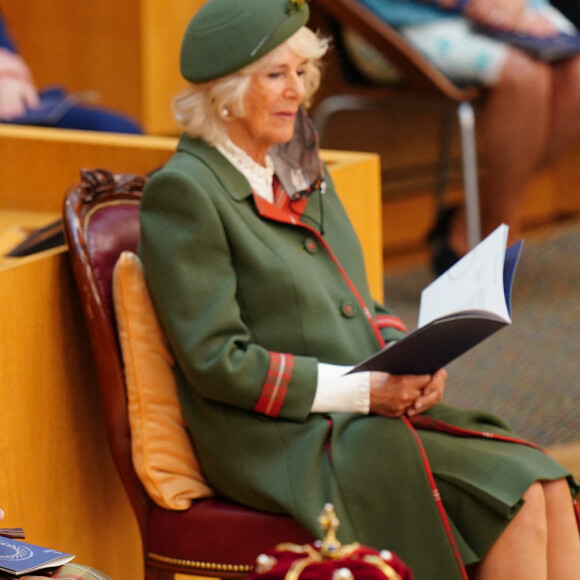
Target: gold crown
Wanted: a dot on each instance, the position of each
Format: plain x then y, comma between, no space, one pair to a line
329,549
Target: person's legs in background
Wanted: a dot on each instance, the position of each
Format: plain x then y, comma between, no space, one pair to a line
529,118
565,109
512,131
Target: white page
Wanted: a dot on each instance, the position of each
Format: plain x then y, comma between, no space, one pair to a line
473,283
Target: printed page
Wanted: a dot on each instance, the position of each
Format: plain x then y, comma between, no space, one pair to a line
476,282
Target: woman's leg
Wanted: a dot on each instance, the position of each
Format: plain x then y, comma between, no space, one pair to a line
521,550
542,541
530,118
565,110
563,534
512,131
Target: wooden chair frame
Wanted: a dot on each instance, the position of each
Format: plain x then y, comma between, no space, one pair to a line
101,221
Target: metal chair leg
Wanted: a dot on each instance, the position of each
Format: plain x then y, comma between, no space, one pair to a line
466,118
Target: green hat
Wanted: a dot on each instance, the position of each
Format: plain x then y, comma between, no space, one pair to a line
224,36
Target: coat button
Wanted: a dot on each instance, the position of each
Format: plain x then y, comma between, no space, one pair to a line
310,245
348,309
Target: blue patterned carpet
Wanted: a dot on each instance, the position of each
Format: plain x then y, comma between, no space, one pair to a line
529,372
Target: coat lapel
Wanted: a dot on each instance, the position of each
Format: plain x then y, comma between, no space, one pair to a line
238,188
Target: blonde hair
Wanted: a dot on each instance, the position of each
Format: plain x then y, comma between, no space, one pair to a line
199,109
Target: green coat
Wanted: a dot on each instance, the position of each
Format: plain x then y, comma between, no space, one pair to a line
251,302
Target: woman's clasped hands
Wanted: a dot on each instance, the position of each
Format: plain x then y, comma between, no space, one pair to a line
398,395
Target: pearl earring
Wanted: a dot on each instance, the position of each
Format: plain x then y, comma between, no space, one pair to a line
224,113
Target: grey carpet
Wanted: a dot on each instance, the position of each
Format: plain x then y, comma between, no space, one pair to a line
529,372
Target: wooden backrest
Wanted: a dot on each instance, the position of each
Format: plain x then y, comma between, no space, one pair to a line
418,73
101,220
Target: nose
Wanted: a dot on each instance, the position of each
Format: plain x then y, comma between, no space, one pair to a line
295,86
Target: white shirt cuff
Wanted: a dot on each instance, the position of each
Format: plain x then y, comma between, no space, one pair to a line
337,392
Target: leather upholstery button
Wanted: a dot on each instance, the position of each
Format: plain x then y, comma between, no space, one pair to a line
310,245
348,309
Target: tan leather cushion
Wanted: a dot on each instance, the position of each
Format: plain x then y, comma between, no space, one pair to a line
162,453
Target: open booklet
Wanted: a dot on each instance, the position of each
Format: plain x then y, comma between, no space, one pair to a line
458,310
18,557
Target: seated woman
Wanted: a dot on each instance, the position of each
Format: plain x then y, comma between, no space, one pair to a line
259,281
18,95
530,116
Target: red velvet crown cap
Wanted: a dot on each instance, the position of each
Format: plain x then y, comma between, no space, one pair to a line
329,560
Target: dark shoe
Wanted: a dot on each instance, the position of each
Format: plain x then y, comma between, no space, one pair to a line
442,256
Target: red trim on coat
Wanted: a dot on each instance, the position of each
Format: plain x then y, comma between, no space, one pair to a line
431,424
272,397
281,198
275,388
351,285
438,500
390,321
273,212
281,213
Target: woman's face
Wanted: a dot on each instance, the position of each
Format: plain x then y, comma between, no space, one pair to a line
271,104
